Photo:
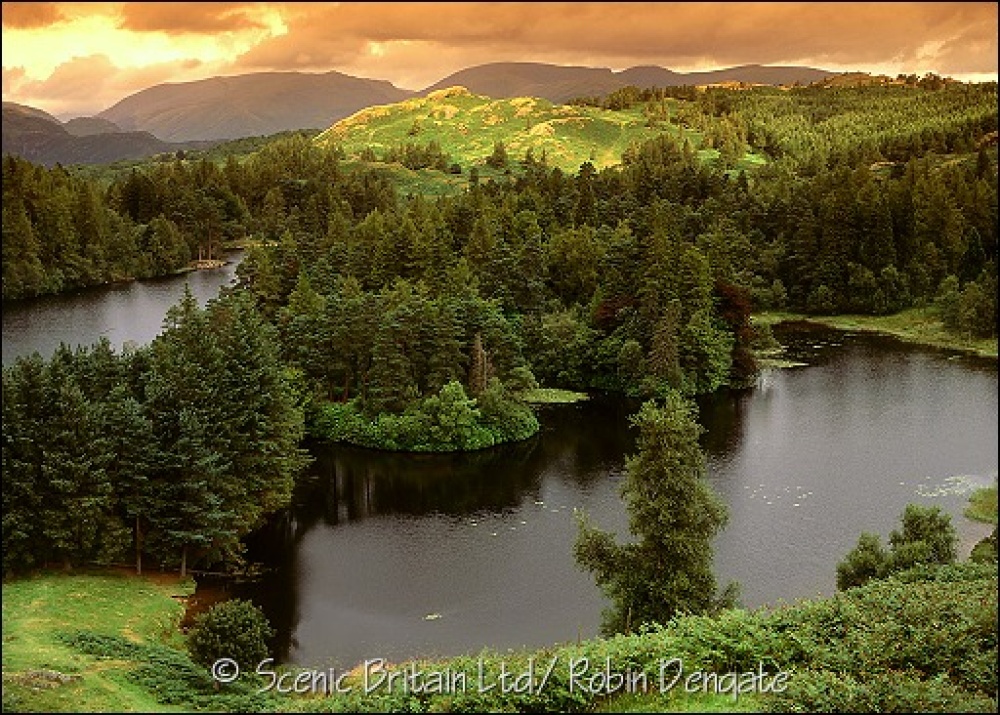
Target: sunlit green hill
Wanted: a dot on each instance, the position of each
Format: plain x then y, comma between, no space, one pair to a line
466,127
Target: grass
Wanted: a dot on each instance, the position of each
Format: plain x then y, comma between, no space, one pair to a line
467,127
914,325
552,396
983,505
137,661
38,610
677,700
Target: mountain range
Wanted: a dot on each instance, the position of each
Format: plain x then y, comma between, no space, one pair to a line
168,117
559,83
41,138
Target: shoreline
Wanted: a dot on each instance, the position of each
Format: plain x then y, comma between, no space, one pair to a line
970,532
191,267
918,326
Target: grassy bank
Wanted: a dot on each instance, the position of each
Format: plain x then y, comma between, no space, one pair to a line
915,325
552,396
983,505
114,643
42,672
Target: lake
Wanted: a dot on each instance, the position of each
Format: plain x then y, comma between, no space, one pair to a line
121,312
397,556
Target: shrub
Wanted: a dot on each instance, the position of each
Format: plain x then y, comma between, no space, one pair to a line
927,537
985,552
234,629
830,692
864,562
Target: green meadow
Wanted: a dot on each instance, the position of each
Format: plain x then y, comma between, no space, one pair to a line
467,127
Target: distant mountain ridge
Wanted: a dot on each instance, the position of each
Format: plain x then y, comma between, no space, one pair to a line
257,104
41,138
167,117
264,103
558,83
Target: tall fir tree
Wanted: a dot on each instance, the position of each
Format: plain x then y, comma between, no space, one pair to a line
674,515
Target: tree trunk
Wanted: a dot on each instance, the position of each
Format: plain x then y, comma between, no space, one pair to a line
138,546
184,557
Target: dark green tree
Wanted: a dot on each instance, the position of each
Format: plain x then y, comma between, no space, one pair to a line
261,423
498,159
191,516
235,629
866,561
674,515
76,518
24,420
926,537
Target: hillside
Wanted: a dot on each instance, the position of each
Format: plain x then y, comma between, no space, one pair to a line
759,74
466,127
86,126
556,83
266,103
41,138
248,105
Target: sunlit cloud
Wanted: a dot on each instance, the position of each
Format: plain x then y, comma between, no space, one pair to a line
415,45
24,15
192,17
83,80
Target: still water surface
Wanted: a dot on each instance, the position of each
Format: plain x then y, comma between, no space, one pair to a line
395,556
124,313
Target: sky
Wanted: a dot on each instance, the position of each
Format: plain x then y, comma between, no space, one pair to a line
77,59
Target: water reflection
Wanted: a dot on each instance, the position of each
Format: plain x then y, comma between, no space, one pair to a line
124,313
482,542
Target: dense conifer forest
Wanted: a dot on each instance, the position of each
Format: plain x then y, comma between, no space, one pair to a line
406,321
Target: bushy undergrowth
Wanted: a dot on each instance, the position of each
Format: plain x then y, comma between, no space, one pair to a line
171,677
449,421
924,640
821,691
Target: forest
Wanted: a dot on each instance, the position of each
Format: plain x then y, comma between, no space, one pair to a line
403,321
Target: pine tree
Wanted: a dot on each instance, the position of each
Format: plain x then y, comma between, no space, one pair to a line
664,353
77,498
478,367
674,515
23,272
24,420
261,422
189,515
132,454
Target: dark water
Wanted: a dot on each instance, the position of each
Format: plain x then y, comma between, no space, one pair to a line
398,556
124,312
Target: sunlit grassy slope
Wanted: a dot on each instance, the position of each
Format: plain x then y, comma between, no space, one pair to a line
42,673
467,127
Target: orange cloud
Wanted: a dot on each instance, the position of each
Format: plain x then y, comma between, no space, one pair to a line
189,17
416,44
13,77
92,81
675,35
24,15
